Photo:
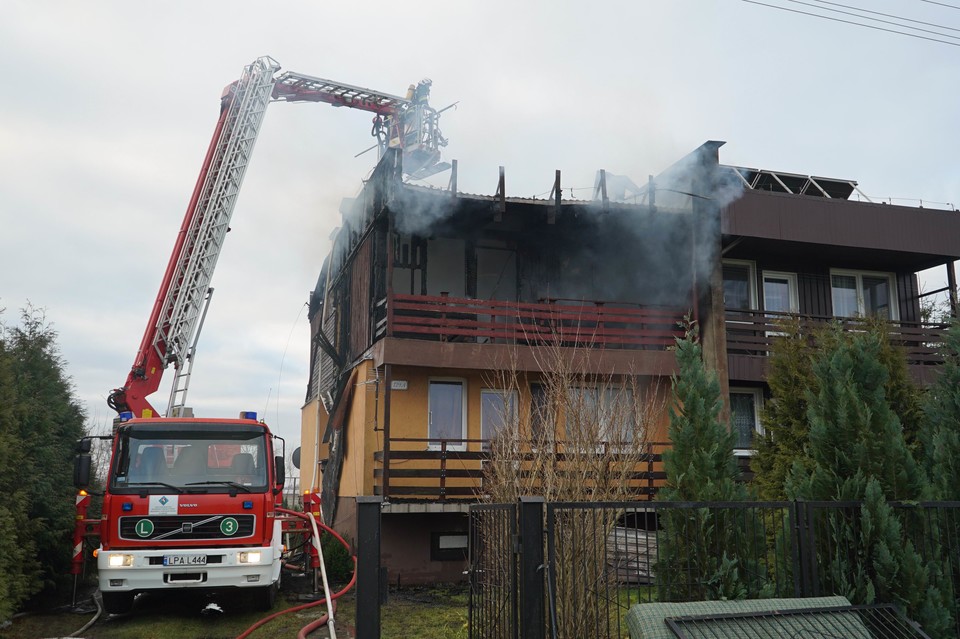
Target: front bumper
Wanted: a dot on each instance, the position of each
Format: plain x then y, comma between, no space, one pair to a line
222,570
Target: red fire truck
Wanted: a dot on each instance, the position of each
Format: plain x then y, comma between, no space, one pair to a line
190,502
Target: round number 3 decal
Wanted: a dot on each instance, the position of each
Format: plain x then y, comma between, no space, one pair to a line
229,526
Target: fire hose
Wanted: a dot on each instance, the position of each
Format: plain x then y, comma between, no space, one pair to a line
328,598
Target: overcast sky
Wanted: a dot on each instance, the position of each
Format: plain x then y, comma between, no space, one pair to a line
106,109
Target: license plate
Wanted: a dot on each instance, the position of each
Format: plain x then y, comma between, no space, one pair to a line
184,560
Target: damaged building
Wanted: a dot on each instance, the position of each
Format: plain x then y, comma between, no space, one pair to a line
429,293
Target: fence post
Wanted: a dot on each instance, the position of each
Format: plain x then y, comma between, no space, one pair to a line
804,553
368,567
531,568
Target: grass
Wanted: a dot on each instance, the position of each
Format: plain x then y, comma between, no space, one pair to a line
428,613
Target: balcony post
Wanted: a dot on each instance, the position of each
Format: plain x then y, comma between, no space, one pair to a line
387,383
443,470
952,283
390,258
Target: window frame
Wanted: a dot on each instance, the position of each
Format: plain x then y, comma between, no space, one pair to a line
793,293
751,283
450,553
606,425
463,412
758,429
858,275
514,403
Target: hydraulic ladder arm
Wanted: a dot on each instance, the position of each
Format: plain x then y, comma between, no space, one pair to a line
179,306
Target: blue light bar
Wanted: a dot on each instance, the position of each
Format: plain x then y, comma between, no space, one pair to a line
126,415
248,414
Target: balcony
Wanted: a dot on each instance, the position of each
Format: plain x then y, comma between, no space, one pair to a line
552,322
420,469
750,337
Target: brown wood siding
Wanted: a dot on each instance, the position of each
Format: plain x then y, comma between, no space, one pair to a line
908,297
328,369
845,223
360,299
814,293
746,368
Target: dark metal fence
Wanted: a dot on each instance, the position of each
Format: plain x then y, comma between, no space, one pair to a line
598,559
493,571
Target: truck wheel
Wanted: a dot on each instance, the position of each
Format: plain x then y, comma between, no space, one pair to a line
117,603
264,598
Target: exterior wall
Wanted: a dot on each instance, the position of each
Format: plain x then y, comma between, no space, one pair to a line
409,408
843,223
405,548
361,420
309,433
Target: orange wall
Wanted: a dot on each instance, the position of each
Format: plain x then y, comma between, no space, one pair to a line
365,419
309,432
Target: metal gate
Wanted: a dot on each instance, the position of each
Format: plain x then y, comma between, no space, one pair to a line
493,571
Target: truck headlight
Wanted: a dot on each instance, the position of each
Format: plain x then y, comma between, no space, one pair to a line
252,557
116,561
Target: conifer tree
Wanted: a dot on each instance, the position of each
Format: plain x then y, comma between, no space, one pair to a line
18,566
784,415
858,453
941,430
40,422
854,433
791,380
703,553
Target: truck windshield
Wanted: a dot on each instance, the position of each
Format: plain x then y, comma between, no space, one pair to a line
163,462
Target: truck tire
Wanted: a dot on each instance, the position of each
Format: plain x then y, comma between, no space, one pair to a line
117,603
264,598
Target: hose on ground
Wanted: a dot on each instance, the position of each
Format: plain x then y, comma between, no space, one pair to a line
77,633
314,624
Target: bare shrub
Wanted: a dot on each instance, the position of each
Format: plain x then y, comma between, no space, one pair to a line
583,438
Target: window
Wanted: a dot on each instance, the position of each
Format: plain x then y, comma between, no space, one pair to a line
447,414
450,546
780,292
739,286
610,410
497,409
745,404
859,294
205,459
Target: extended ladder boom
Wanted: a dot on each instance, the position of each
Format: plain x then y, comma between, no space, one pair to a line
186,282
178,311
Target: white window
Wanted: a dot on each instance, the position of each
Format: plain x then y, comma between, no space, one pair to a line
780,292
447,413
739,285
611,410
498,409
862,293
745,405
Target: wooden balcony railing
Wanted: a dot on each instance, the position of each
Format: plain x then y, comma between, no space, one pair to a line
557,322
753,332
444,470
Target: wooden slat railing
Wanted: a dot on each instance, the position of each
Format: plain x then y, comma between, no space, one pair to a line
562,322
753,333
452,469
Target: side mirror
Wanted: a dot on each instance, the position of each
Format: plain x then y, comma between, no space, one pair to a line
280,471
295,458
81,470
83,445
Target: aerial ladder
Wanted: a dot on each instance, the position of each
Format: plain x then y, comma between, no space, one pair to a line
408,123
